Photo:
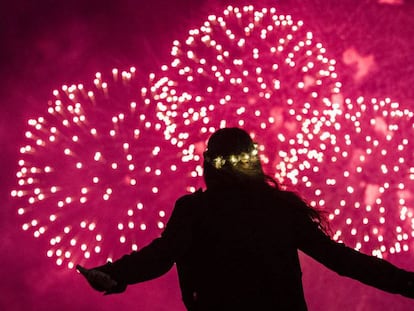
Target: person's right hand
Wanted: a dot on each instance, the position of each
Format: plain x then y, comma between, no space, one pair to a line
97,279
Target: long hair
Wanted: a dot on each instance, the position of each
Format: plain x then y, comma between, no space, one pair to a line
232,160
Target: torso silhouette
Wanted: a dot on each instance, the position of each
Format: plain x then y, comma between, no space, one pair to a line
236,248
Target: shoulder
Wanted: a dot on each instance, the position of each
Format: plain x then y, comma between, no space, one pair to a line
283,196
190,199
185,206
293,198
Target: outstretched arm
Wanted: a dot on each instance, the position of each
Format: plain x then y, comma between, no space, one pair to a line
150,262
348,262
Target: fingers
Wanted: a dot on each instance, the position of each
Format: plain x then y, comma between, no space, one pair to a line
82,270
102,279
97,279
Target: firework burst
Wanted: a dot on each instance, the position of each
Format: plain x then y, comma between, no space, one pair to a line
96,172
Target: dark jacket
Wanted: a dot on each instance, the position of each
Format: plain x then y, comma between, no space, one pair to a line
237,249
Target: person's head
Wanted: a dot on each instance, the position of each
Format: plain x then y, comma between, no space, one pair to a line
231,158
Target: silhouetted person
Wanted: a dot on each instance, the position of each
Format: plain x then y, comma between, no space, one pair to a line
236,244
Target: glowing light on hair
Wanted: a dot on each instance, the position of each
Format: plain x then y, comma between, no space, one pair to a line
245,158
